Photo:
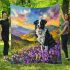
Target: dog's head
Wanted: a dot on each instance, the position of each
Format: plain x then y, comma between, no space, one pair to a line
40,24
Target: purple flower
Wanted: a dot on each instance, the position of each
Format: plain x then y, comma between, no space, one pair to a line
35,54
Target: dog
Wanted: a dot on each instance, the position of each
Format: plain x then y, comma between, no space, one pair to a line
39,31
43,36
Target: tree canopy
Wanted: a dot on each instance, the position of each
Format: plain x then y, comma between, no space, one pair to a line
5,4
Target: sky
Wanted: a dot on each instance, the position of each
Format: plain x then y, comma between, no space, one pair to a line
32,13
21,15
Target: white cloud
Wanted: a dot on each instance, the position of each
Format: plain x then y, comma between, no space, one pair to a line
26,11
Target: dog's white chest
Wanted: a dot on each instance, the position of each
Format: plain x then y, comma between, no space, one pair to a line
41,35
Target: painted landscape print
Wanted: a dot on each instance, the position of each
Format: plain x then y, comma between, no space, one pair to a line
25,46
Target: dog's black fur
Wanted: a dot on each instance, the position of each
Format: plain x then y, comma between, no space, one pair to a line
49,41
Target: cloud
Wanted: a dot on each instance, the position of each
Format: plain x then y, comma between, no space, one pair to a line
26,11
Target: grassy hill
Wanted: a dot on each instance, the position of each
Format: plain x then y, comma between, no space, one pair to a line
29,36
23,41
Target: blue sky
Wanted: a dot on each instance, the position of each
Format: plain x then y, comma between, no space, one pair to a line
34,12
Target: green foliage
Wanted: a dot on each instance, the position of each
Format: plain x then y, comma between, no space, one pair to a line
5,4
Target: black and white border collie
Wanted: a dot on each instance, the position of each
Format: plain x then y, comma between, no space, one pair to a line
43,36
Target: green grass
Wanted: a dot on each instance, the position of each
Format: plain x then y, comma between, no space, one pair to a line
37,66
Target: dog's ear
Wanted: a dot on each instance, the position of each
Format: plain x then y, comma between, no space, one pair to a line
44,21
36,22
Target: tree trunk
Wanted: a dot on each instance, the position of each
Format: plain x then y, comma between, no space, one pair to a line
65,6
22,2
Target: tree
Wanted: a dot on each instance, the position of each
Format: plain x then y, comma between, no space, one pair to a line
5,5
65,6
